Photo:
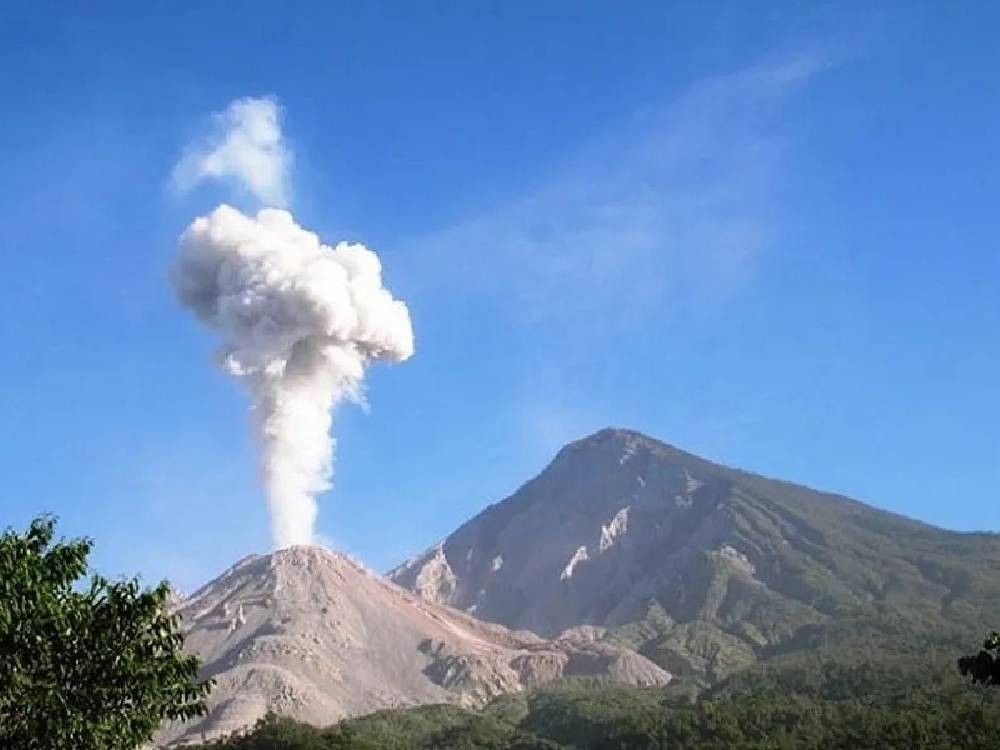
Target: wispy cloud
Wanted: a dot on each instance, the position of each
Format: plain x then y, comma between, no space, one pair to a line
245,148
678,200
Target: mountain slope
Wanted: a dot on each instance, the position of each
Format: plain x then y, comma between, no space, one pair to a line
312,635
705,568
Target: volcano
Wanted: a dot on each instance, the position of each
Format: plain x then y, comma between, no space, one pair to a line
707,569
308,633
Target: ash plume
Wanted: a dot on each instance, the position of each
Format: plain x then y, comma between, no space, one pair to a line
246,148
299,323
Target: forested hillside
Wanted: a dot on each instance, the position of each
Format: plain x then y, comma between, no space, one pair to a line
824,700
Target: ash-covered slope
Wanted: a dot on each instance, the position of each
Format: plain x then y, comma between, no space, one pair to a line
310,634
704,568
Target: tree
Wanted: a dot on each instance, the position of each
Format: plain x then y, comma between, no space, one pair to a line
983,667
93,664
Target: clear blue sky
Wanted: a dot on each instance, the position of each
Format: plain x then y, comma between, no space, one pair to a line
766,233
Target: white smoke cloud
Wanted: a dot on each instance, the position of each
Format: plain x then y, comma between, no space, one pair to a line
299,322
247,148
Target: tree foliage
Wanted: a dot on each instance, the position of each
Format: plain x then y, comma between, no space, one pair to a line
85,664
815,703
983,667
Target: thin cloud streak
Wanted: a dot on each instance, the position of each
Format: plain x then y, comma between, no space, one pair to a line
678,202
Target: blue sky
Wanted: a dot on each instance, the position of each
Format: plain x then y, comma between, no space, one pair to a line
766,234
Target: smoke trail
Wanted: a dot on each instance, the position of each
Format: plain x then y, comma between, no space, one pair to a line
299,322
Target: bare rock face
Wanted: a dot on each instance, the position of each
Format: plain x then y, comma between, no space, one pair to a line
308,633
589,541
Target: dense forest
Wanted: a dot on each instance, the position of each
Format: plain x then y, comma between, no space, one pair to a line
824,700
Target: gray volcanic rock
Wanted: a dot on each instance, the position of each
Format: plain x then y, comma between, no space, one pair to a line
308,633
704,568
588,541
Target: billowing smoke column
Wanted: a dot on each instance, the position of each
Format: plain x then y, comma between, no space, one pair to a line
299,321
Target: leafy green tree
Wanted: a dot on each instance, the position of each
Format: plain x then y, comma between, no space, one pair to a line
274,732
983,667
95,664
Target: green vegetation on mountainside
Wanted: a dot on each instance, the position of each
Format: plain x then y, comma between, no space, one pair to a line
830,700
826,571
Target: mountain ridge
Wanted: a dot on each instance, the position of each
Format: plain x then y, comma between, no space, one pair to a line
705,568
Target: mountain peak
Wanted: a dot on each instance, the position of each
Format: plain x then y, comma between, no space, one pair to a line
312,557
616,436
731,566
622,442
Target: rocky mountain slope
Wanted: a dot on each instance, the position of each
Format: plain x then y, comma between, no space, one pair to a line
310,634
704,568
